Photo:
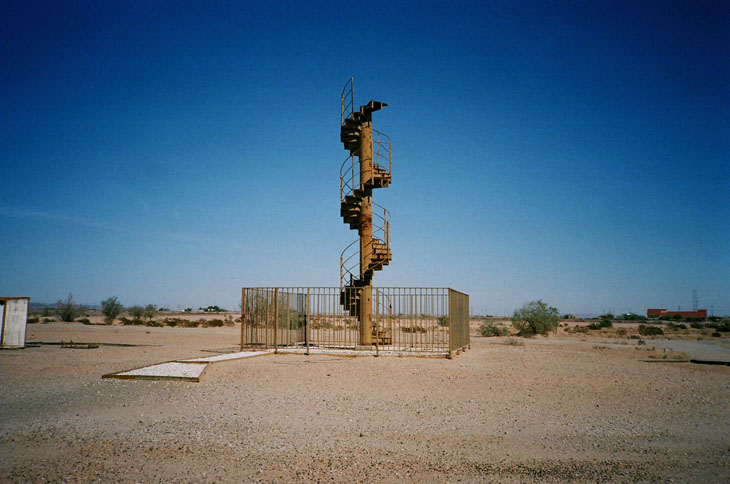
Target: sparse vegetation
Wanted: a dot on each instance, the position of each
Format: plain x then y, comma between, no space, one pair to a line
149,311
137,312
443,320
68,310
535,317
513,342
33,320
111,308
413,329
603,323
650,330
489,328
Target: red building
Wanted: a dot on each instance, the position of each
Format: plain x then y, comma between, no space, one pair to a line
663,313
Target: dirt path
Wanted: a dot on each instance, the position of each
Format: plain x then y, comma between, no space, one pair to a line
558,412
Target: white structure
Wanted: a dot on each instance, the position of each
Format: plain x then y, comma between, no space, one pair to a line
14,320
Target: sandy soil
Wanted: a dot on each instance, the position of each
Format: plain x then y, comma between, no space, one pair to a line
564,409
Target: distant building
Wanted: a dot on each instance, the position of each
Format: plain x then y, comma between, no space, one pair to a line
663,313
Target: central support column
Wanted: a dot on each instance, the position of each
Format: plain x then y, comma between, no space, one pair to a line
366,232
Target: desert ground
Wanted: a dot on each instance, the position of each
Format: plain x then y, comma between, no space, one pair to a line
568,408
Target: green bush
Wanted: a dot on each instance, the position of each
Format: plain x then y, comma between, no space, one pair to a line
68,310
650,330
190,324
603,323
33,320
215,323
535,317
444,321
488,328
154,324
84,321
111,308
716,334
137,312
696,325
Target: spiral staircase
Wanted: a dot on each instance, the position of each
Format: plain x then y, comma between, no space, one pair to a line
365,169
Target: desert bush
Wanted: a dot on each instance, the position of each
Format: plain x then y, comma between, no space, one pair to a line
577,329
490,329
676,326
154,324
443,321
535,317
149,311
33,320
650,330
513,342
111,308
603,323
190,324
215,323
137,312
68,310
413,329
84,321
172,322
48,320
716,334
125,321
696,325
621,332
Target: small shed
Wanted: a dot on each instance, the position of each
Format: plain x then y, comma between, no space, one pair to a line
14,321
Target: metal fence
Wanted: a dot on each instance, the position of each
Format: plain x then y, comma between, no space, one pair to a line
405,319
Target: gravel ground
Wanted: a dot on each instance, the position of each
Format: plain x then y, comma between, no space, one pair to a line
556,410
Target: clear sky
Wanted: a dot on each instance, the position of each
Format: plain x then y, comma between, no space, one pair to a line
173,152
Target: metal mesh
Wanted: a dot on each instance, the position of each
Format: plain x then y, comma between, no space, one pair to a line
433,320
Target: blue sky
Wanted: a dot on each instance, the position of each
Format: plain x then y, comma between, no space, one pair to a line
173,152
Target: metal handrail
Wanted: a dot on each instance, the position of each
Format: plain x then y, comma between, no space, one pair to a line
347,105
350,168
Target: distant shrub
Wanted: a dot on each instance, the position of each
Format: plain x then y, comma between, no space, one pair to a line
696,325
444,321
84,321
48,320
513,342
603,323
215,323
535,317
172,322
723,326
650,330
125,321
716,334
676,326
577,329
68,310
154,324
137,312
190,324
621,332
413,329
490,329
33,320
111,308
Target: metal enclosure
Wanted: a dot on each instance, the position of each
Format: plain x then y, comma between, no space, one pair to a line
418,320
14,321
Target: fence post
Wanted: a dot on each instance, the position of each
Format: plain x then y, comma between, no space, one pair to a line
276,318
306,322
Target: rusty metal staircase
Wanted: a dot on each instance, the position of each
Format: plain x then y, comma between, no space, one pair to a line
365,169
